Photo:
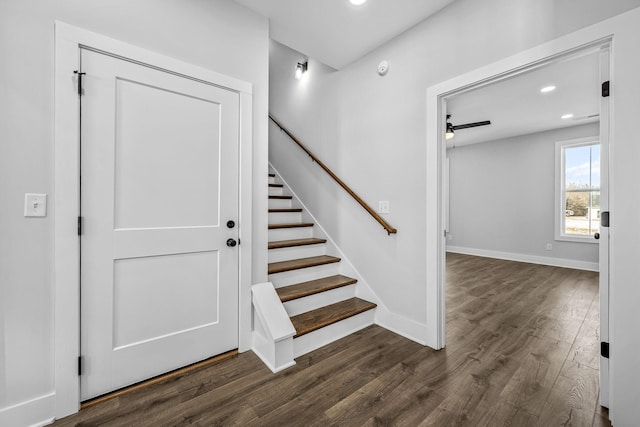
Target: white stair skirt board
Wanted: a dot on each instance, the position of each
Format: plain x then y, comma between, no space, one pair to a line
328,334
322,299
284,217
532,259
304,274
34,412
296,252
273,330
290,233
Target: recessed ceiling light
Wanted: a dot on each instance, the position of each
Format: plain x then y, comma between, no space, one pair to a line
357,2
566,116
547,89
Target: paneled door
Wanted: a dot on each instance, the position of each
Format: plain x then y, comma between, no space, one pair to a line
159,187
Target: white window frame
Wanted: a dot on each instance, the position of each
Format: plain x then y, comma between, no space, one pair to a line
560,203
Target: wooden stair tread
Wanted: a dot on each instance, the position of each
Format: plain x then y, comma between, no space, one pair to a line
272,175
296,264
295,242
312,287
276,185
290,225
281,197
325,316
283,210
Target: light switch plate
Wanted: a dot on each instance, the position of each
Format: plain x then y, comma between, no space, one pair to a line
35,205
383,207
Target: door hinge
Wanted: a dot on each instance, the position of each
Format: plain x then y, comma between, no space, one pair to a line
80,88
80,365
80,225
604,349
605,89
604,218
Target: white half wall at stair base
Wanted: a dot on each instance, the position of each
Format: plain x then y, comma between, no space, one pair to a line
272,330
394,322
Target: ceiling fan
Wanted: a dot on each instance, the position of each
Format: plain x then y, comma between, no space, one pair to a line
450,133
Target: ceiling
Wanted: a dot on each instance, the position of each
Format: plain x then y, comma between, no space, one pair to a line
336,32
515,105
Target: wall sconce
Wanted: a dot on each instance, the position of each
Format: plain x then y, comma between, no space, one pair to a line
301,68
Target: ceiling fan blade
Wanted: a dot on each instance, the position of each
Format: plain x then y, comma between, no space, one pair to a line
472,125
590,116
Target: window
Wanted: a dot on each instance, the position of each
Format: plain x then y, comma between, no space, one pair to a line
577,189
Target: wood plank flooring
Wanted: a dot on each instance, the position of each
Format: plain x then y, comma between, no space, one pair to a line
522,350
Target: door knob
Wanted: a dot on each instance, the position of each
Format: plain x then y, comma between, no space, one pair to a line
596,236
231,224
231,243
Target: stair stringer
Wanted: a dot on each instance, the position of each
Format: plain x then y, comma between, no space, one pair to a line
383,316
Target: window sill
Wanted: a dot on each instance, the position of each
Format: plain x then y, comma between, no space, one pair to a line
576,239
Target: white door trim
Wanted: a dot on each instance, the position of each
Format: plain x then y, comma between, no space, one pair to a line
68,40
595,35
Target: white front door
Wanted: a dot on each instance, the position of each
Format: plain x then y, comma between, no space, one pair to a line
159,182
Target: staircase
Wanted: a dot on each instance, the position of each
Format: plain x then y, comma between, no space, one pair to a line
306,274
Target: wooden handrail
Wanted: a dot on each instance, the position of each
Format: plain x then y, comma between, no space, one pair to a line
341,183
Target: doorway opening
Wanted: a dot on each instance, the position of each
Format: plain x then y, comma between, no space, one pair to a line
440,100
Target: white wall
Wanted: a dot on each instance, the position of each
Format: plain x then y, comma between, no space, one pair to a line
502,196
216,34
371,130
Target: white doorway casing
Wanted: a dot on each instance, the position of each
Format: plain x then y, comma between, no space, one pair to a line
68,41
602,34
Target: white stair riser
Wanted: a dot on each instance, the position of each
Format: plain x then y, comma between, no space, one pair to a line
290,233
279,203
286,254
328,334
272,180
322,299
304,274
275,191
284,217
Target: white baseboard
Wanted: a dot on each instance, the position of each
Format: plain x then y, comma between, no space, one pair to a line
401,325
533,259
33,413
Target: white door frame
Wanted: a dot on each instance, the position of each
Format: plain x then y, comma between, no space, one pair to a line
596,35
68,40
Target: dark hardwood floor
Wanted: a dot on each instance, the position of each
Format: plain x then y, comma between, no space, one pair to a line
522,350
